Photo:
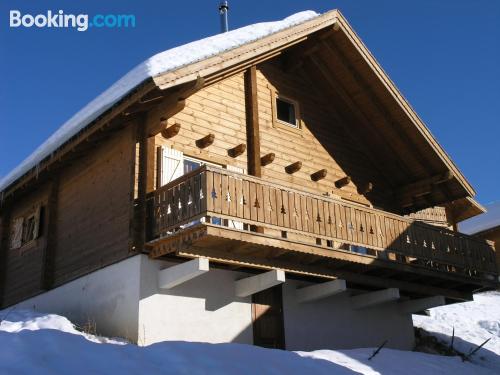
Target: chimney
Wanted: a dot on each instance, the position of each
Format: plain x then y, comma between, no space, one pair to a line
223,8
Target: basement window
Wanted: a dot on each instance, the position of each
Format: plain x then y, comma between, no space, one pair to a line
286,112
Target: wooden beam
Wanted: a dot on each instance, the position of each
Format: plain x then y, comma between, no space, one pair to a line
50,245
319,175
171,131
140,208
205,141
267,159
159,165
354,121
421,188
340,183
237,150
365,188
252,122
294,167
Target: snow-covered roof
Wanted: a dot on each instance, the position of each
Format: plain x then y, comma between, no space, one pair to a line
488,220
160,63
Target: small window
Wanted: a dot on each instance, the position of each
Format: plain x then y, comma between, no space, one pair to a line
25,229
286,112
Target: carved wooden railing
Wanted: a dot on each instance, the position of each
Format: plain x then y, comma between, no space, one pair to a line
214,192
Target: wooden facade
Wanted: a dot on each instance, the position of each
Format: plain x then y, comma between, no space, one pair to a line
322,196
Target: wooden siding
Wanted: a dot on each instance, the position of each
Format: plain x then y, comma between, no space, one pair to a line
24,266
92,225
321,143
94,209
218,109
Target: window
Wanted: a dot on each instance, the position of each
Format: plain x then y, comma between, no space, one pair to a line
25,229
286,112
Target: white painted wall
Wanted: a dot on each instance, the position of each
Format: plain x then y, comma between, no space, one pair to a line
331,323
202,309
124,300
109,297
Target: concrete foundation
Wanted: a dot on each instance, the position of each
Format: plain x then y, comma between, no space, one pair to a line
126,300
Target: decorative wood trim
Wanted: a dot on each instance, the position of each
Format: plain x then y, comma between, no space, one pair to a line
294,167
171,131
267,159
319,175
205,141
342,182
237,150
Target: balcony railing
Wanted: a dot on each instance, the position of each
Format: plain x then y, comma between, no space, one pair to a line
211,192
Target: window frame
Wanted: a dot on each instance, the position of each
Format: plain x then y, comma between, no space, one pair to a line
34,214
280,124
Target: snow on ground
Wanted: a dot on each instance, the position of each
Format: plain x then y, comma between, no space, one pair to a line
474,322
35,343
162,62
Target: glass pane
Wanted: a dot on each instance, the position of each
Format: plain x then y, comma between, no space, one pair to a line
190,165
286,112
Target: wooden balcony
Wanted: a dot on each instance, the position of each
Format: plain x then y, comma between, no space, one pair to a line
246,221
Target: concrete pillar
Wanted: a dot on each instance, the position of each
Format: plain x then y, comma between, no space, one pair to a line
421,304
254,284
319,291
374,298
180,273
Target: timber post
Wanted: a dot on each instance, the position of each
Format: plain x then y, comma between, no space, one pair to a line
252,127
142,186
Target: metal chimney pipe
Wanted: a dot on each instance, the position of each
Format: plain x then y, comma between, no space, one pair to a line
223,8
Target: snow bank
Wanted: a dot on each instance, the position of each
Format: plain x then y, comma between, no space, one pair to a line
397,362
474,322
34,343
161,63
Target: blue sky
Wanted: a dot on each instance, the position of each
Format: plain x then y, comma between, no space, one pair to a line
443,55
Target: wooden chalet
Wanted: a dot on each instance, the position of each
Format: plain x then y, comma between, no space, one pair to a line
292,154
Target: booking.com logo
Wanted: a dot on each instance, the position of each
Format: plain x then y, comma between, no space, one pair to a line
80,22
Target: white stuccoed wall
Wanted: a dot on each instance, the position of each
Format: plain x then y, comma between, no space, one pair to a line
331,323
109,297
124,300
202,309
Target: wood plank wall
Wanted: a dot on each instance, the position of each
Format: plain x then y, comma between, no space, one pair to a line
321,143
94,203
217,109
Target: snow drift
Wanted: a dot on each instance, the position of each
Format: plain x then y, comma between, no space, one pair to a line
34,343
